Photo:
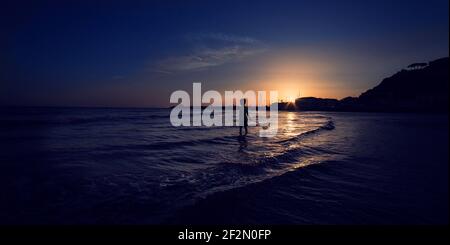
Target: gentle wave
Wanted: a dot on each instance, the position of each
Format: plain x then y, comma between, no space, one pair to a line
329,125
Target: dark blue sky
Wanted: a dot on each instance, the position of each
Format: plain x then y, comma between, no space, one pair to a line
135,53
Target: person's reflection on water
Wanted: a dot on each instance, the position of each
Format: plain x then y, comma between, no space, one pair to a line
242,143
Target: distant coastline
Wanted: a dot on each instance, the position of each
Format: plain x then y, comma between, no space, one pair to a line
421,87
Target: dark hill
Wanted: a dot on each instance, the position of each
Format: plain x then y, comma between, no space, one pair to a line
423,87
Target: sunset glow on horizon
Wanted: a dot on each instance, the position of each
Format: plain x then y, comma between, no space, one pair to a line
133,56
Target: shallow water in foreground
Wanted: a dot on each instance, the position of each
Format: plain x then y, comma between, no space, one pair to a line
77,165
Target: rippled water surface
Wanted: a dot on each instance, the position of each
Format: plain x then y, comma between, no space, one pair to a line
78,165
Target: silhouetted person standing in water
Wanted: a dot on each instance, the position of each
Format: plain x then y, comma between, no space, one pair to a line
244,104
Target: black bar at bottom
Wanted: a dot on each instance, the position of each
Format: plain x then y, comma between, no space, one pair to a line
277,233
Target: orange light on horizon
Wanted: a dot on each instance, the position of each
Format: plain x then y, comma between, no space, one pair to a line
290,99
